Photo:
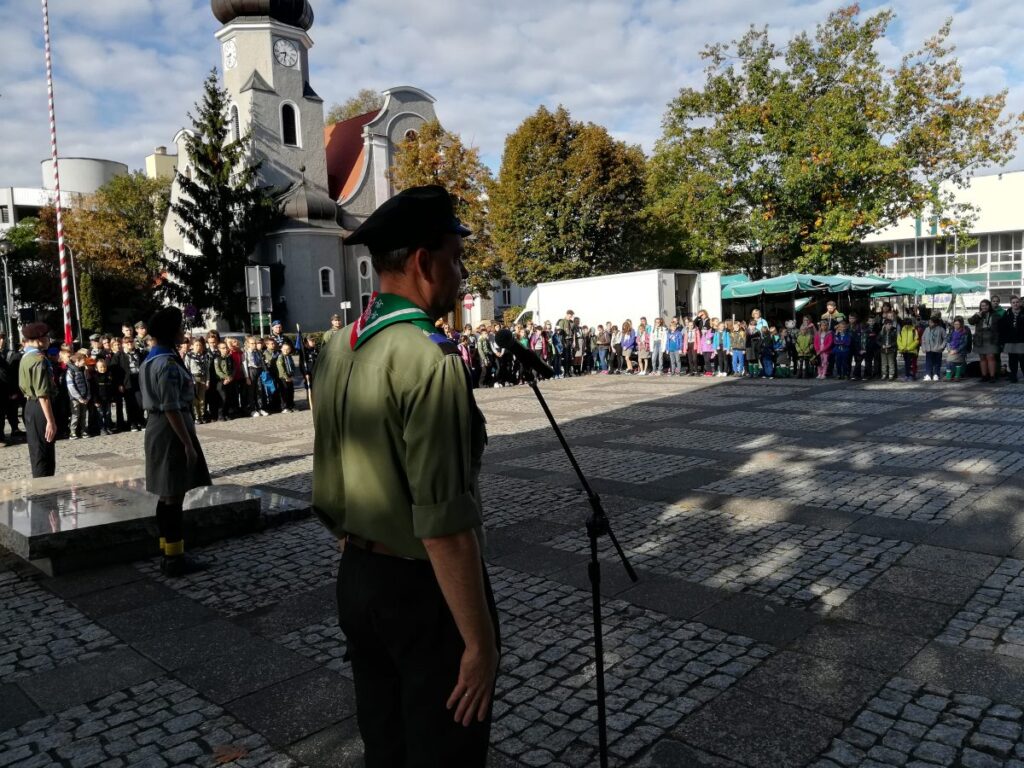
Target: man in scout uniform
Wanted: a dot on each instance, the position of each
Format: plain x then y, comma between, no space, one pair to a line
141,338
398,445
335,327
276,333
36,382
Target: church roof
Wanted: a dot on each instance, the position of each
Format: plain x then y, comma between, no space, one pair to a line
256,83
345,154
295,13
301,203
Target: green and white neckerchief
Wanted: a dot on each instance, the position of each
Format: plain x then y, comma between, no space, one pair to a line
384,310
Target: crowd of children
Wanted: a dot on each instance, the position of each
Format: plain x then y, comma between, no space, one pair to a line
98,386
883,345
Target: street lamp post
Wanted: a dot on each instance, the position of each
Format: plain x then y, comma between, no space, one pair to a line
8,293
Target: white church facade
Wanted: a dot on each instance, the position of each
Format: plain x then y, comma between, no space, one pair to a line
327,179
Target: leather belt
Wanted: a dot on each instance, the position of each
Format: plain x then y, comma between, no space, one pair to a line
372,546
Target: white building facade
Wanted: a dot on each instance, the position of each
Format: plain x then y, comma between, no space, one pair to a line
994,260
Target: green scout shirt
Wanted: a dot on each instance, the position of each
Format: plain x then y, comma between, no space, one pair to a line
398,437
34,377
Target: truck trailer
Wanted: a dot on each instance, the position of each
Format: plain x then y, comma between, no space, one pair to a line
651,293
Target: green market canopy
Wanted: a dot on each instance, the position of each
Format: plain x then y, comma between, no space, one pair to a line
797,282
728,280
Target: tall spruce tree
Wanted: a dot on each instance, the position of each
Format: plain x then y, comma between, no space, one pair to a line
222,212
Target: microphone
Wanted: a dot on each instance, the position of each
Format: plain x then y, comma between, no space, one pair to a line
529,359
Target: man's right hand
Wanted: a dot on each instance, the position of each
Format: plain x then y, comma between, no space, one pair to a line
471,696
191,457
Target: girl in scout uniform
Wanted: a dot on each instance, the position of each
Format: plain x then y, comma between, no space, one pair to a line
174,459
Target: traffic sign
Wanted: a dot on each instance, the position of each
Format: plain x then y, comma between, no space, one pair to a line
468,302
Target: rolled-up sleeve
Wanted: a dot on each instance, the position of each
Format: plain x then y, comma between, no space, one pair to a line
438,458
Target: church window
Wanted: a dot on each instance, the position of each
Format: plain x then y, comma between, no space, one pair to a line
236,132
279,253
411,135
289,126
506,293
326,281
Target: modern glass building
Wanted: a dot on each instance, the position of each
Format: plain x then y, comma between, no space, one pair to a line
995,257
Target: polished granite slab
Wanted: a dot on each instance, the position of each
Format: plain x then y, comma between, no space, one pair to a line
78,521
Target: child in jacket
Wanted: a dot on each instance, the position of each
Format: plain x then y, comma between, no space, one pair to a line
933,341
707,349
722,343
823,340
907,344
804,352
753,351
841,341
956,344
767,354
887,348
738,340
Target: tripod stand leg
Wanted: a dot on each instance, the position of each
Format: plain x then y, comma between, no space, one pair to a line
594,571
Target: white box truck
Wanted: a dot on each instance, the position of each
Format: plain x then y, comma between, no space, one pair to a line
651,293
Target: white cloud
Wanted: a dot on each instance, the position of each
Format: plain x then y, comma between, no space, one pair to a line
129,70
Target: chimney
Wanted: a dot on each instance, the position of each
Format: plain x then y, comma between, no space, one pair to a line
160,151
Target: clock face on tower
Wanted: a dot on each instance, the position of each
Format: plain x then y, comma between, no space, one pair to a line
286,53
230,54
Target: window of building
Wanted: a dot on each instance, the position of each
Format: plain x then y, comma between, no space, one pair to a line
326,281
506,293
411,134
5,214
289,125
236,131
279,252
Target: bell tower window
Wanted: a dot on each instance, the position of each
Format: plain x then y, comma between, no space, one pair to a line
236,132
289,125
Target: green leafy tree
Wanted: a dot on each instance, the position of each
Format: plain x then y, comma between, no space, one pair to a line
367,100
33,265
222,212
567,201
117,236
436,156
787,158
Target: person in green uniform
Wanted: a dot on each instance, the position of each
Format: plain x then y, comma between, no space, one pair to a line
335,327
35,379
397,452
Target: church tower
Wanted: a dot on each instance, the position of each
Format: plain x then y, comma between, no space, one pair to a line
265,58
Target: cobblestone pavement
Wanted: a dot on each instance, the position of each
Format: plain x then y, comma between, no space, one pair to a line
920,498
923,725
798,565
993,619
831,574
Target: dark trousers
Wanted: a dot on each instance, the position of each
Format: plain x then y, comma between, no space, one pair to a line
722,361
225,395
288,394
41,454
133,408
11,411
405,651
842,364
858,365
909,361
1016,365
106,418
933,363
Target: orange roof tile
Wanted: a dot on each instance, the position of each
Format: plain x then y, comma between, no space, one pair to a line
345,156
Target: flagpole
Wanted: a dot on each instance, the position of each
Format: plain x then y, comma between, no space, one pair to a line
64,282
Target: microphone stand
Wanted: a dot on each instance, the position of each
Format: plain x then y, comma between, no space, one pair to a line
597,526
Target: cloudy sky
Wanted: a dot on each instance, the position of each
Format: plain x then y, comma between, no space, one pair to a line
127,71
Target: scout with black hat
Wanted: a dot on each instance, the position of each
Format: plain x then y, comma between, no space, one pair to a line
174,458
397,452
35,379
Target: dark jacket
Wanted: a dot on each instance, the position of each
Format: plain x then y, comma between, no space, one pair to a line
1011,328
104,388
887,338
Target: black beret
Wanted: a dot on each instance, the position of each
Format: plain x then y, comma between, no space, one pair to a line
407,219
165,323
34,331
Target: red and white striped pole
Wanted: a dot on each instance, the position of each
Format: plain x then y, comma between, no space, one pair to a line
65,289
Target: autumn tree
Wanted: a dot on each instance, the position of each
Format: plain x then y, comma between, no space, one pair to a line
367,100
787,157
117,239
221,212
33,266
433,155
567,201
